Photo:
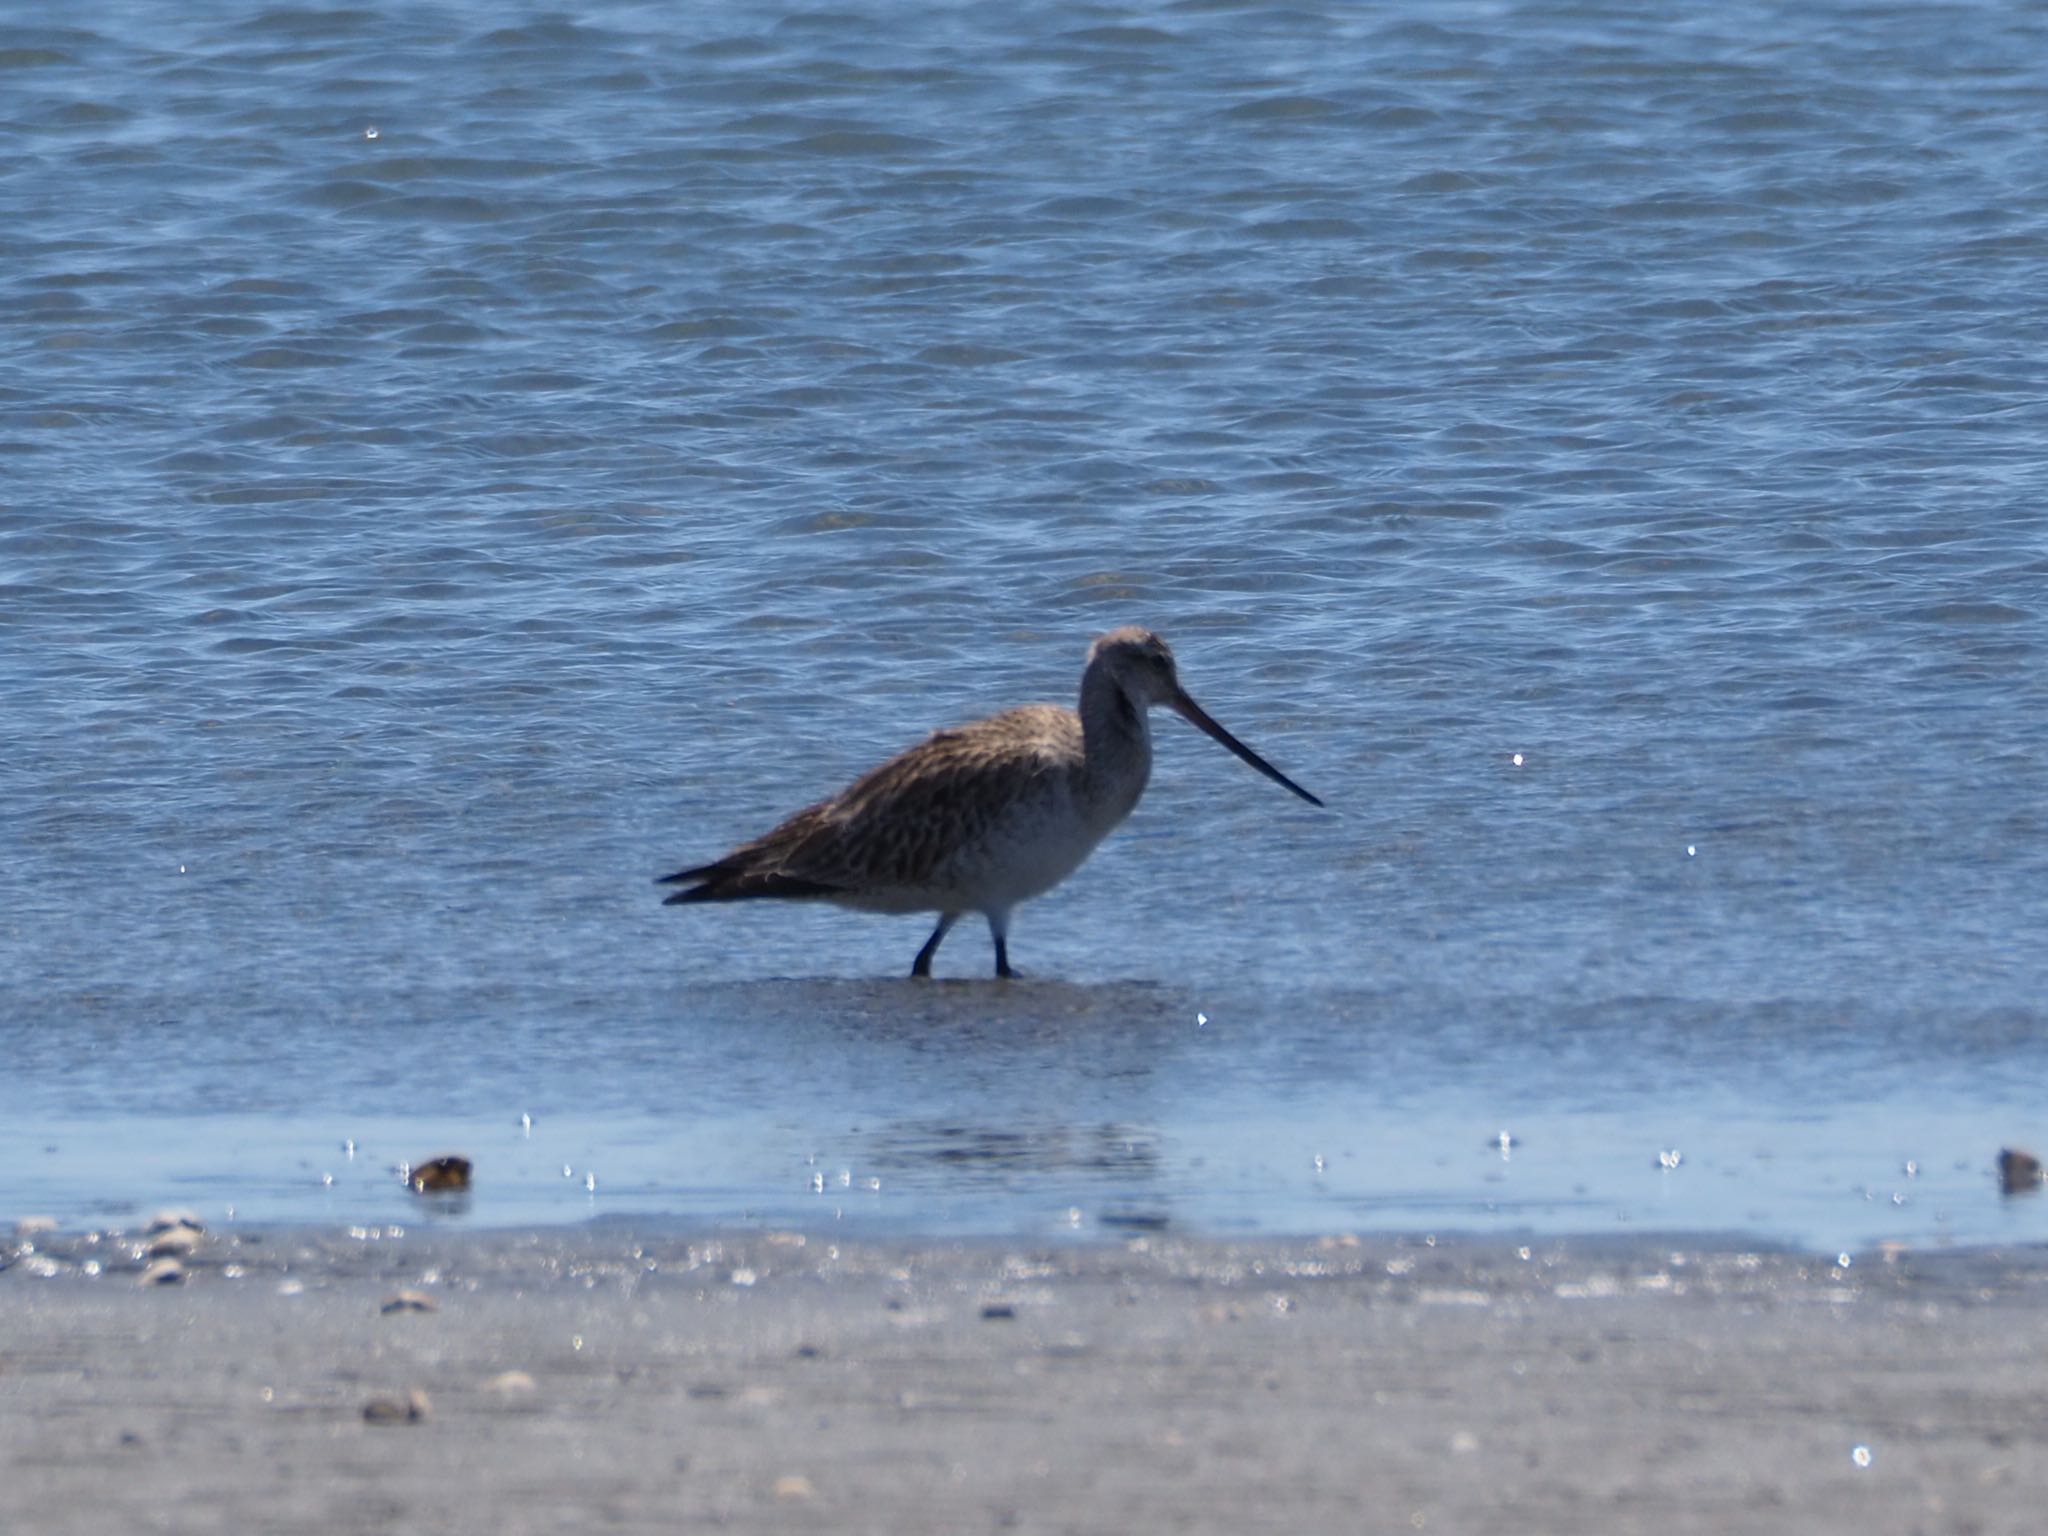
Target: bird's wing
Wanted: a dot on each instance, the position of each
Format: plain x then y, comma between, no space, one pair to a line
895,827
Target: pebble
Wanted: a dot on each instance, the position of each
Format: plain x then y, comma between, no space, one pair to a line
511,1384
171,1220
410,1301
998,1309
409,1409
440,1175
163,1272
794,1488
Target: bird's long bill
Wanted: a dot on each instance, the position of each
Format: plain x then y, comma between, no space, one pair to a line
1196,716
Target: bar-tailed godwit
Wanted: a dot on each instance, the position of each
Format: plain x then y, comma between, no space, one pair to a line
980,817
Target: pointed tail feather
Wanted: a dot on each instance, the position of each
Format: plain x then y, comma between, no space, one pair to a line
716,882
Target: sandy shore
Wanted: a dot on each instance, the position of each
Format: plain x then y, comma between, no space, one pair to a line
607,1380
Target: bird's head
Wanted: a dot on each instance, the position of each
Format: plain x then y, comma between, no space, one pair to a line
1140,665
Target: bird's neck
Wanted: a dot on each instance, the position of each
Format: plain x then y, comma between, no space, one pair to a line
1117,745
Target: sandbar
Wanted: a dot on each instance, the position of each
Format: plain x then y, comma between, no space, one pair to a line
612,1379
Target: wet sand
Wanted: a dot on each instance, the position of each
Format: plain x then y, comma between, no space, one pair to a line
605,1379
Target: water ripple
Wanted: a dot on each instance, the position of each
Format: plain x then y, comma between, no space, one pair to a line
459,463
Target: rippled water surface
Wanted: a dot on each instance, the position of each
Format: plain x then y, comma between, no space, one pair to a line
459,462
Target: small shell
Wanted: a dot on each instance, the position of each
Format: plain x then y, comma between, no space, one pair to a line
439,1176
2019,1172
174,1242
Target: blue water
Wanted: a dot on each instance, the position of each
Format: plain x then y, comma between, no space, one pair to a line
459,462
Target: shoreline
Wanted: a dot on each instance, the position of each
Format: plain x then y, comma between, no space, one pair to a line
652,1379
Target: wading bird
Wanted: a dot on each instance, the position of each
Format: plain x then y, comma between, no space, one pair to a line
980,817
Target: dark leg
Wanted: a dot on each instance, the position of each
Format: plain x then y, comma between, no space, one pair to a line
999,930
922,966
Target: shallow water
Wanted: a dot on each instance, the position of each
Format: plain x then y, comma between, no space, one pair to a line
458,465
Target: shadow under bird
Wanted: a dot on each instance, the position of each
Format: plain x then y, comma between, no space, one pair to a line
979,817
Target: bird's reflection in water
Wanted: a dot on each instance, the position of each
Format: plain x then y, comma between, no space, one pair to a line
1005,1153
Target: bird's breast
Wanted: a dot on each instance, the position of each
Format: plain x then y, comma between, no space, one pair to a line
1025,853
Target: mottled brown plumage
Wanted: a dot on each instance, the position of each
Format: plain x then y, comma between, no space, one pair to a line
979,817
